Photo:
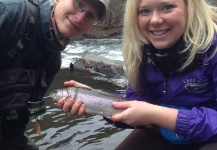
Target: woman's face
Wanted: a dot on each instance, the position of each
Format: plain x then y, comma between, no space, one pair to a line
71,22
162,22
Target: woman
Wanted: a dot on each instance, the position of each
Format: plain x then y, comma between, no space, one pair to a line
169,49
170,56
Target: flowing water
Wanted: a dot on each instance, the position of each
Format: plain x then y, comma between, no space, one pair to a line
106,47
64,131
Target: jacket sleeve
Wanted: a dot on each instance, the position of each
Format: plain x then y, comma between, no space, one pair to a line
197,124
200,123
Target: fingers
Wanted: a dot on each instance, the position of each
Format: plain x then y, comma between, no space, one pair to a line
74,107
75,83
68,104
81,111
116,118
121,105
60,103
125,115
78,108
70,83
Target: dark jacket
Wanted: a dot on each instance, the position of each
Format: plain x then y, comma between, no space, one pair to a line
33,56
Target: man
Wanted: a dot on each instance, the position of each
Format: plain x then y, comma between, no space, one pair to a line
33,33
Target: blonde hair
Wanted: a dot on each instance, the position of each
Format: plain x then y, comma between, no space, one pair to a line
199,33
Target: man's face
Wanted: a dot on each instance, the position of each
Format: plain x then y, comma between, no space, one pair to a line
71,21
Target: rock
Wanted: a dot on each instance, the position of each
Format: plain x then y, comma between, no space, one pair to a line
99,64
113,23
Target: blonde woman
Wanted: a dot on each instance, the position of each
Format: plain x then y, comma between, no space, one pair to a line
169,49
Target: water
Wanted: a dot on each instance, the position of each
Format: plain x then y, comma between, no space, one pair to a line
107,47
63,131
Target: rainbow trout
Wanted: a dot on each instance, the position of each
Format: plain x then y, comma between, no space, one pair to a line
96,102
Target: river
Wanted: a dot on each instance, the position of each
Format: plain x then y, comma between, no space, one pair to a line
63,131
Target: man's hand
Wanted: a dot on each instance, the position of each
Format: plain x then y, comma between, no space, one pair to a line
69,104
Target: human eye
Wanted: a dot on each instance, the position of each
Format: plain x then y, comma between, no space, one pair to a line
143,11
91,16
167,7
79,5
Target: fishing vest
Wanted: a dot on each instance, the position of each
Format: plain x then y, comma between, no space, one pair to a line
18,91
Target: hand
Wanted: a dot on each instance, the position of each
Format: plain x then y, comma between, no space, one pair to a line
75,83
137,113
69,105
74,107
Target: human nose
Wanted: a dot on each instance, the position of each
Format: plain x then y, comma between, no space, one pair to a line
81,16
156,18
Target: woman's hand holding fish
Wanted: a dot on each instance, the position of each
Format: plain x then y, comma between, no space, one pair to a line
135,110
69,105
139,113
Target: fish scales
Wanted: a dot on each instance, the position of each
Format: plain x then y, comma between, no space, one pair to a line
96,102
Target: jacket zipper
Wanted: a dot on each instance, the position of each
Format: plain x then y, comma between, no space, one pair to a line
165,85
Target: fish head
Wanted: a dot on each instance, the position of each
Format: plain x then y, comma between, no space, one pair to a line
59,94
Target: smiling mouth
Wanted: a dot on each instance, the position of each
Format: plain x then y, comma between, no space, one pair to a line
159,33
73,25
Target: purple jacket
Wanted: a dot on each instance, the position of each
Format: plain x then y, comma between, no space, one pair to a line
196,89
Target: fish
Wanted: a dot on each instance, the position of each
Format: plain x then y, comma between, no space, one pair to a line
96,102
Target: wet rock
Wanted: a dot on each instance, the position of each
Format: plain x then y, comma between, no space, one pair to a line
113,23
98,64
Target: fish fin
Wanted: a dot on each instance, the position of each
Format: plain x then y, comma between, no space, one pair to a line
105,115
37,128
